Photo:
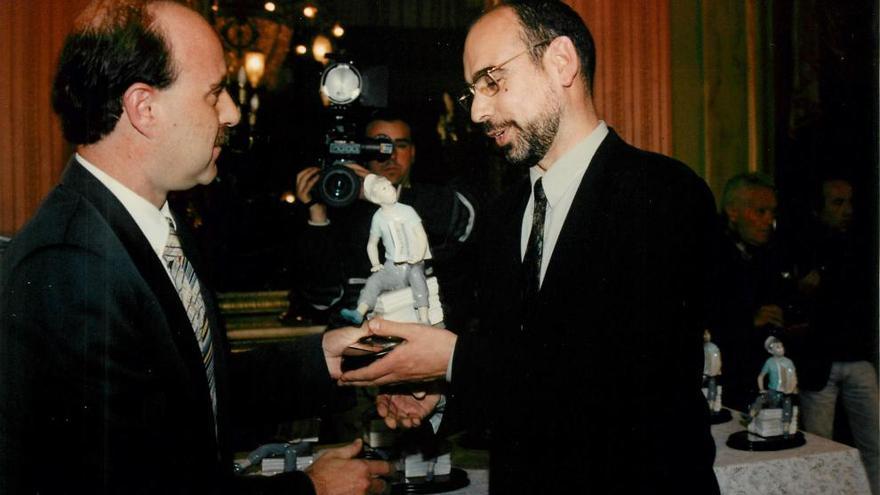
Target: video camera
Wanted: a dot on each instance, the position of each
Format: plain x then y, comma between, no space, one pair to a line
343,85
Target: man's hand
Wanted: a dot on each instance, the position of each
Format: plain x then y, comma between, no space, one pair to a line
375,268
335,472
405,410
335,341
770,314
423,356
305,182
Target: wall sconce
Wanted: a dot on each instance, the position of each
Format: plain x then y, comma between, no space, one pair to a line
254,67
321,46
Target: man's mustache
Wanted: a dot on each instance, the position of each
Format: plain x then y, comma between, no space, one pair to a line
222,138
489,126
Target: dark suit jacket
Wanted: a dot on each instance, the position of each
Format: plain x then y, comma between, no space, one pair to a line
102,387
597,384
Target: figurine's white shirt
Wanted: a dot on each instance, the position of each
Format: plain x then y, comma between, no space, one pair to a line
395,225
560,183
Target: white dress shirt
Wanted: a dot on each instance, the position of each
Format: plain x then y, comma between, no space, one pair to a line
151,220
560,182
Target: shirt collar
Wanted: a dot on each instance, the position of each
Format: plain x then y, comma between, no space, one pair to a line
152,221
564,172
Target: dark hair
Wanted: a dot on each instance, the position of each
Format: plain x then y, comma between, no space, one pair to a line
544,20
387,115
99,62
818,197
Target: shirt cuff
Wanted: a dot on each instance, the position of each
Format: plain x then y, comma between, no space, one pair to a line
449,366
316,224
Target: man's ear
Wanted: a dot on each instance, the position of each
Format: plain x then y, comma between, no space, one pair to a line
563,59
138,106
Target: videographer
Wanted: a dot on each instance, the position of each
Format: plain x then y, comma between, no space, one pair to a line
331,259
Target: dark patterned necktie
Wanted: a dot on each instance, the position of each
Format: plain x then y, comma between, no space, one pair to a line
187,284
535,246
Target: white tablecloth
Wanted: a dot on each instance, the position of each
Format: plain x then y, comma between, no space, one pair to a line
821,467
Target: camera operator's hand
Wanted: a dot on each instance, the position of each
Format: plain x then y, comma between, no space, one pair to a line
361,172
305,182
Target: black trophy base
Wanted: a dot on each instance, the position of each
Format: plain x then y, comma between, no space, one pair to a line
722,416
457,478
743,440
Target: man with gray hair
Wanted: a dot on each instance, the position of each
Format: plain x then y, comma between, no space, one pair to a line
753,285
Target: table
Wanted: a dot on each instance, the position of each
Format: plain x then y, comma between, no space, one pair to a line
821,467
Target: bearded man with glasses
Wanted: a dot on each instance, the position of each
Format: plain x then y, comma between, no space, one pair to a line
592,288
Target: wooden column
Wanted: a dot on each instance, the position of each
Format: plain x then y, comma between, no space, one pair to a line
632,90
32,151
721,86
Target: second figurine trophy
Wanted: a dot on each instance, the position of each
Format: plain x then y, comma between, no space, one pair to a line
712,387
772,420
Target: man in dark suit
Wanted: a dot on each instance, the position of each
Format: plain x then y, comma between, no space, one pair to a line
114,370
594,276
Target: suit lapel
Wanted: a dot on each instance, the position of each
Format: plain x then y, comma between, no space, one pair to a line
147,263
575,237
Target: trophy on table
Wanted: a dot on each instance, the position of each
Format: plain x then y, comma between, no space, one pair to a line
712,387
772,420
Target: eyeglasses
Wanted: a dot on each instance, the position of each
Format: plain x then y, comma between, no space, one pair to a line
487,84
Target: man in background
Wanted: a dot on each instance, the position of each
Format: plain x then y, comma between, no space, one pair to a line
840,348
330,252
115,375
753,287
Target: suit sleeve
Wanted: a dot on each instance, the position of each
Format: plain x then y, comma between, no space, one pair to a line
71,376
283,382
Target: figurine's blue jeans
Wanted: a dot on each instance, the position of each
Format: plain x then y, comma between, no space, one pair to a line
856,383
394,276
779,399
711,384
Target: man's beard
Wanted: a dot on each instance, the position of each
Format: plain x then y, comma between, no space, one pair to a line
534,140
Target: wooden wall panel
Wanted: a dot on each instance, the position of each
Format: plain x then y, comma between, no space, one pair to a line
723,122
632,90
32,151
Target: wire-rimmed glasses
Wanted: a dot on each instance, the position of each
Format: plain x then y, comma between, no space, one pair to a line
486,83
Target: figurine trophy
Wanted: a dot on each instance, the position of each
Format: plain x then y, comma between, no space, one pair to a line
399,290
773,417
712,387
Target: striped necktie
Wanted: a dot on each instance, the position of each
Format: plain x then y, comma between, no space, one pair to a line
535,246
187,284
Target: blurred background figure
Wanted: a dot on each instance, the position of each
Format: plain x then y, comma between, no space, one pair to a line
839,348
754,283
